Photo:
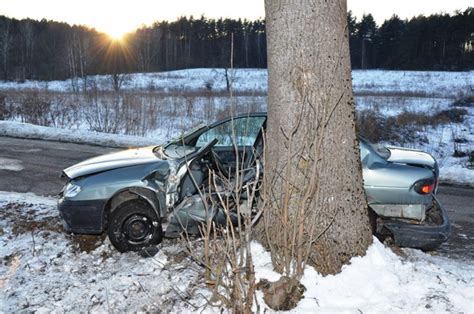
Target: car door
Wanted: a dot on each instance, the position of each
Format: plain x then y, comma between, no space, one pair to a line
236,139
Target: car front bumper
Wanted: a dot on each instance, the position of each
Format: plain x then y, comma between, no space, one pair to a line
82,216
420,236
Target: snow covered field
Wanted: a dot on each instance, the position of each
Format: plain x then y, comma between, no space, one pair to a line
434,84
44,269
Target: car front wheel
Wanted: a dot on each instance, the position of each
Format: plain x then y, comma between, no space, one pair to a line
133,226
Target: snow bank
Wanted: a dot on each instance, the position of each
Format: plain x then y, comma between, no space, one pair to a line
26,130
45,269
382,282
456,173
30,198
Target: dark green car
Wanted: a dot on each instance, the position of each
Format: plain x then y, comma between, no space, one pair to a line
140,195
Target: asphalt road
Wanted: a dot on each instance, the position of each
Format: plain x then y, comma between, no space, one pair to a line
35,166
459,201
42,163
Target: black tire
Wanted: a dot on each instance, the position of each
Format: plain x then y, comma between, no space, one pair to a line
134,225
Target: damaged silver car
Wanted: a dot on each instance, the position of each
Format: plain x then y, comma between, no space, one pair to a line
140,195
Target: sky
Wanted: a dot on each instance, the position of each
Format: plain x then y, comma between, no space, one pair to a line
119,16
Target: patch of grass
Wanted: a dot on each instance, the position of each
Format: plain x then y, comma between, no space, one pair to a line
453,115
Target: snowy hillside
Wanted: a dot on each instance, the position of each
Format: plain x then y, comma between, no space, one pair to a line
413,83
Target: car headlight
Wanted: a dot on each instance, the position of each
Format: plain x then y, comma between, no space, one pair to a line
71,190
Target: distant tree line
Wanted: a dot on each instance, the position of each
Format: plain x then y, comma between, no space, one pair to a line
48,50
436,42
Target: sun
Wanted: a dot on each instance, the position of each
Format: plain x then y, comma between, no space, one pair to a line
116,34
116,31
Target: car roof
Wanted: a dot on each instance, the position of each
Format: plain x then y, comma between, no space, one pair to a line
238,116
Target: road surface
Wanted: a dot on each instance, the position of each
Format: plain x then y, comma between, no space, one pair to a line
35,166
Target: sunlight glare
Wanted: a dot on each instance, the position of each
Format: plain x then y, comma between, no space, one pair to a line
116,30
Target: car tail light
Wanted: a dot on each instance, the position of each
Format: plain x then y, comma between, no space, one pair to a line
425,186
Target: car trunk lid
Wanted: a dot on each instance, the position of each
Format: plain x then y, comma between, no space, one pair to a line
411,156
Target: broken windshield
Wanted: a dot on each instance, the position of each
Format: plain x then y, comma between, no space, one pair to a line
180,140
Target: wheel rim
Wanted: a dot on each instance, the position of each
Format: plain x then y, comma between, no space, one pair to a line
137,228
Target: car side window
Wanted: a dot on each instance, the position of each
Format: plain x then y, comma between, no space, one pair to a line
241,131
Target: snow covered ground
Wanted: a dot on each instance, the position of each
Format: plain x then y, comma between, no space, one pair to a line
191,80
383,282
80,136
44,269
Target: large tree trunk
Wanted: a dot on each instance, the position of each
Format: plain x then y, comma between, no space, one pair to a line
316,208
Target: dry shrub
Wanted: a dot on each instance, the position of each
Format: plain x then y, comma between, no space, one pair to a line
5,111
464,102
453,115
65,112
470,161
370,90
226,255
35,109
139,114
127,113
403,128
102,114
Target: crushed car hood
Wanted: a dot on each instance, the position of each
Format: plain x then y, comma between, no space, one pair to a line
130,157
410,156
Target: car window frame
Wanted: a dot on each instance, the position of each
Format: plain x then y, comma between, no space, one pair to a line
254,136
191,139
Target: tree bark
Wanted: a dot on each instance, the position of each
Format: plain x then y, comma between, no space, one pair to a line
316,208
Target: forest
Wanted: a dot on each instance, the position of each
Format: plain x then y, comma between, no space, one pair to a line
49,50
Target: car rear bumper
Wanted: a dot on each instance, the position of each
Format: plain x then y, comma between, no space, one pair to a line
420,236
82,216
